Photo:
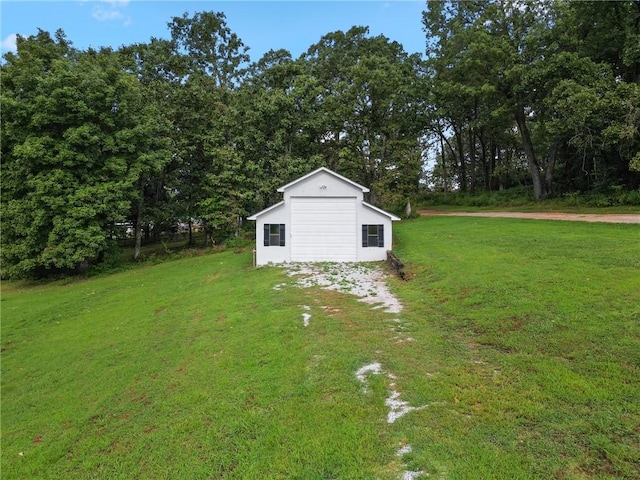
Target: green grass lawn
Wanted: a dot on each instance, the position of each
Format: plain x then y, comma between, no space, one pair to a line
530,334
526,349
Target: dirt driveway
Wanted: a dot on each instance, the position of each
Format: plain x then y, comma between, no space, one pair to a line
577,217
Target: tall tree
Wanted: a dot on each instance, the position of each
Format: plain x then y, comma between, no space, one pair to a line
270,119
212,64
157,72
207,45
79,138
367,98
522,60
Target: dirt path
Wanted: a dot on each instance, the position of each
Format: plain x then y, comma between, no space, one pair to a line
576,217
368,283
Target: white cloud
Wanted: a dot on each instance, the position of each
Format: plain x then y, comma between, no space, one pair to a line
109,10
106,14
9,43
113,3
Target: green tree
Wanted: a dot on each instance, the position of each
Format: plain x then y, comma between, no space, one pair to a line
77,138
208,46
211,64
365,93
156,70
271,118
497,64
608,33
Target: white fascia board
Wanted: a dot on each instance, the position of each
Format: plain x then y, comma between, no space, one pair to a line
386,214
331,172
272,207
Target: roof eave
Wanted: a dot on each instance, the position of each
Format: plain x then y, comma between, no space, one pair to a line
262,212
391,216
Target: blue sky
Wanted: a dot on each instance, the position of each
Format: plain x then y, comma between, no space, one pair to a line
262,25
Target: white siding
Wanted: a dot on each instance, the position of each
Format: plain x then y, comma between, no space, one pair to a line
323,214
272,254
322,184
368,216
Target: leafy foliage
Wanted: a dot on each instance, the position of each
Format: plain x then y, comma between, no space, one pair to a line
556,71
79,140
542,96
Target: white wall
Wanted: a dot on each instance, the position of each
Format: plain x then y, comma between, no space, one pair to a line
368,216
273,254
322,184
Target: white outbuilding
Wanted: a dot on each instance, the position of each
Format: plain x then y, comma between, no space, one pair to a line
322,218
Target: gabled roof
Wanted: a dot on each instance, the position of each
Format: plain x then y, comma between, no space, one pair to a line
272,207
326,170
330,172
386,214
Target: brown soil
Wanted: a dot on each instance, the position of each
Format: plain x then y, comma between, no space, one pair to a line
578,217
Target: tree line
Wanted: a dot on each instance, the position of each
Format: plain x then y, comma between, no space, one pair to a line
188,129
545,92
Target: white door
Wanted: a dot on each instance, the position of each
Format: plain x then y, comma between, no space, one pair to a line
323,229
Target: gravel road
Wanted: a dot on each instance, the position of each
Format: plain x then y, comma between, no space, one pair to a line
575,217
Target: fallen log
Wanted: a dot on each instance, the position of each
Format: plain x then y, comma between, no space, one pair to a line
396,264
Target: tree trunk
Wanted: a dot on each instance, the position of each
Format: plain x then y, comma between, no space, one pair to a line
383,153
550,166
138,231
472,158
335,152
453,152
238,225
208,237
486,172
527,145
445,179
494,155
463,166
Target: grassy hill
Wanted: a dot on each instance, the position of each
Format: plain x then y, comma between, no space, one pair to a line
525,351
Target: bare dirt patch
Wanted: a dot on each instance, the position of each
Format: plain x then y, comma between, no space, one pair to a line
573,217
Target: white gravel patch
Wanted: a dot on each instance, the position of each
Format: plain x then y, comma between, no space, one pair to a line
361,374
364,280
409,475
367,282
403,450
397,408
306,316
